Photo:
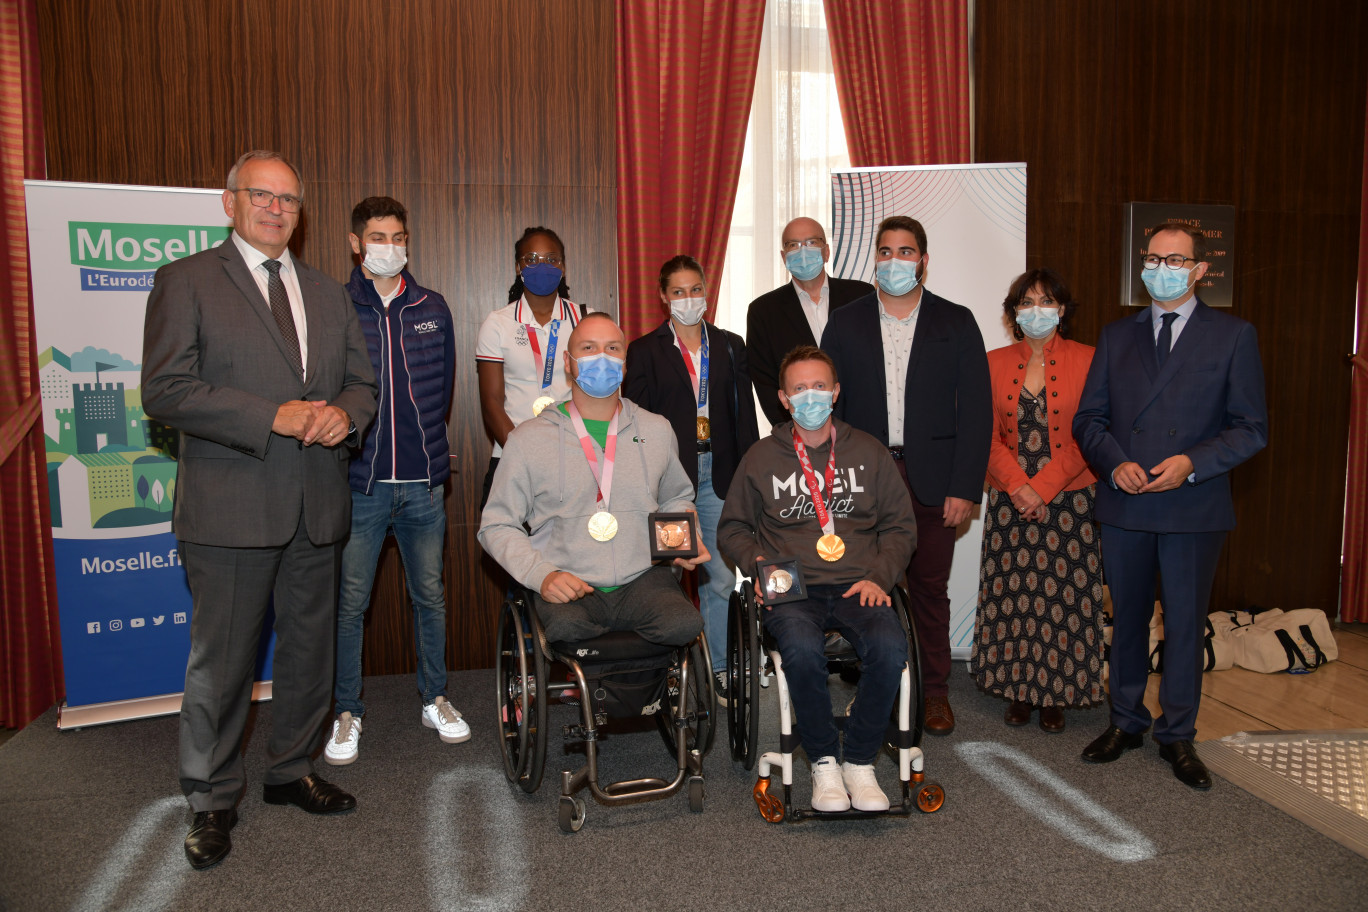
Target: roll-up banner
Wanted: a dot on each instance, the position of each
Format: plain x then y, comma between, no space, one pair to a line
975,221
122,597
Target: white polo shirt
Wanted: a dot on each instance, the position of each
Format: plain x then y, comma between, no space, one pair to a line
504,340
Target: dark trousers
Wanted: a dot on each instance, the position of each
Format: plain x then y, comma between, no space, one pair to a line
799,631
231,589
653,605
1185,563
928,590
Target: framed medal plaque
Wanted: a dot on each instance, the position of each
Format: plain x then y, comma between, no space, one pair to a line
673,535
781,580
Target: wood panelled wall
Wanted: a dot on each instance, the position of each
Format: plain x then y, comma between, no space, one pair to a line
1253,103
482,117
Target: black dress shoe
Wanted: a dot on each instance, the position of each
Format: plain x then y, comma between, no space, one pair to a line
312,793
1051,719
1111,744
1188,768
208,841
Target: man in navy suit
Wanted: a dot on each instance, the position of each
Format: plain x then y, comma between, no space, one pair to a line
914,374
1174,400
796,312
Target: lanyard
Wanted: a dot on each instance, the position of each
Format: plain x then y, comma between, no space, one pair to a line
818,500
549,363
602,477
700,379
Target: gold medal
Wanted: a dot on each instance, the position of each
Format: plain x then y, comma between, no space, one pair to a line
830,547
541,403
704,428
602,526
780,581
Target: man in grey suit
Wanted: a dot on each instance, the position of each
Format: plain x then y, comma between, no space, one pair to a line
259,362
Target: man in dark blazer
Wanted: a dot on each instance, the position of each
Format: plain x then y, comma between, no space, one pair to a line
259,362
1174,400
796,312
914,373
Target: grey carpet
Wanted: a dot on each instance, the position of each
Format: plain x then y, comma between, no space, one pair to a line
93,820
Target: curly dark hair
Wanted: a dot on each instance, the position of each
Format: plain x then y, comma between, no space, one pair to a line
1054,286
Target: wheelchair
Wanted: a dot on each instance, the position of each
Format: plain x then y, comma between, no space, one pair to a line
752,656
618,672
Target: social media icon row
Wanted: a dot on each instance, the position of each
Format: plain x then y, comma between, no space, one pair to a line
117,624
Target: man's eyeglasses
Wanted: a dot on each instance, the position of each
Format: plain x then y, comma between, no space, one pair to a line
532,259
1172,261
790,246
262,199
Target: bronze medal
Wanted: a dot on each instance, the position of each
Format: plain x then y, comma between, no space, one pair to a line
704,428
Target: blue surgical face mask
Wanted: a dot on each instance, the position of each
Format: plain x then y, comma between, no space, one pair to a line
805,263
895,276
1037,322
811,408
542,278
1166,284
599,375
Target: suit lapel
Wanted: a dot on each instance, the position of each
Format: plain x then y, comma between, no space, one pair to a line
1189,341
313,314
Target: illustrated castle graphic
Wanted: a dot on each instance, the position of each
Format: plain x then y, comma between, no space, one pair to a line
109,466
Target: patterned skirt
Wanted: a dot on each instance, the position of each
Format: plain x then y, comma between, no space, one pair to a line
1039,637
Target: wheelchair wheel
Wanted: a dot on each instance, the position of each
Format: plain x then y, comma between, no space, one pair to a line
902,607
520,675
571,814
696,794
743,679
702,697
929,797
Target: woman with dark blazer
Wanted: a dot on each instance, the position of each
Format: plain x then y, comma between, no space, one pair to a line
1039,637
695,375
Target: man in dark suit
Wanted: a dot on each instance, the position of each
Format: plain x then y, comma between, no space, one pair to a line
259,362
915,375
795,313
1174,400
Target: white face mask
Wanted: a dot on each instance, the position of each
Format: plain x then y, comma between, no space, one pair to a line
385,260
688,310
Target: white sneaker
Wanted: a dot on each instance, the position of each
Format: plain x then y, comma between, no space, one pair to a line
345,741
865,794
720,688
828,789
441,715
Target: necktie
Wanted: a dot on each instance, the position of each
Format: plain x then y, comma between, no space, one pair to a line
280,309
1165,340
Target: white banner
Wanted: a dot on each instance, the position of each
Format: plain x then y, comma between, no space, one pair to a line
123,601
975,221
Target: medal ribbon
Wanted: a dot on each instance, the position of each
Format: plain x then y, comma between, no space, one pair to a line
700,379
810,476
550,361
602,477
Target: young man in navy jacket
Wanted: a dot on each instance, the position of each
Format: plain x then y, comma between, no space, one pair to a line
398,477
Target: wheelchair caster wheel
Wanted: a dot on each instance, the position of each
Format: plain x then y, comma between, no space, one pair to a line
696,794
571,814
929,797
770,807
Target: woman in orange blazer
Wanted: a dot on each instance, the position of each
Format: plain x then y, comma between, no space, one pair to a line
1039,639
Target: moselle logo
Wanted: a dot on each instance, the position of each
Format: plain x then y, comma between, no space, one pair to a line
116,624
123,256
93,627
178,617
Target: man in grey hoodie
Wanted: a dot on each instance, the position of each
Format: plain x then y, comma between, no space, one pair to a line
583,476
829,495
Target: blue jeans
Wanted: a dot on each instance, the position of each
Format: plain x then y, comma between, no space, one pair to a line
418,519
799,631
716,581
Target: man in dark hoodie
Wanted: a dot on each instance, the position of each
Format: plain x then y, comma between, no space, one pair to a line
852,542
398,477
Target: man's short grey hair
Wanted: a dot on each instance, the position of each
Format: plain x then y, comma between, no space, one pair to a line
262,155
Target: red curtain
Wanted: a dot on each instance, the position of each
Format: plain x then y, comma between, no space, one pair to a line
685,77
1354,581
902,77
30,646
